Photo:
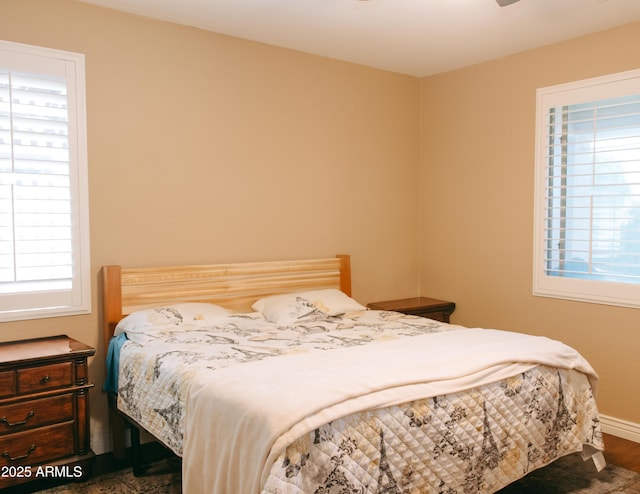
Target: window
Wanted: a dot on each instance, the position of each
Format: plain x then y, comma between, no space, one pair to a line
44,230
587,221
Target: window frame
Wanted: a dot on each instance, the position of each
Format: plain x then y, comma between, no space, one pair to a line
576,289
37,304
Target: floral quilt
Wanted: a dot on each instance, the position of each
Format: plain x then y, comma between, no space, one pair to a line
471,441
158,359
467,442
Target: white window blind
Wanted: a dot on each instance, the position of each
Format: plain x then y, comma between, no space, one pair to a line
588,191
44,262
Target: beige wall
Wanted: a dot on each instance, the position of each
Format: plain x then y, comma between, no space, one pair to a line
477,172
205,148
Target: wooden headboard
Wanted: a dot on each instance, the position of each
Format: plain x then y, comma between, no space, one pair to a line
234,286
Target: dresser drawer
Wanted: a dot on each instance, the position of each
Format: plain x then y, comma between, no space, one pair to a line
431,308
44,406
44,377
7,384
38,445
442,316
35,413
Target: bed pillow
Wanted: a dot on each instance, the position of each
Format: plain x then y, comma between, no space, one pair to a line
144,320
309,305
291,310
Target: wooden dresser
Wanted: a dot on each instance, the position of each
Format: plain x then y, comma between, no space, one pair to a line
44,410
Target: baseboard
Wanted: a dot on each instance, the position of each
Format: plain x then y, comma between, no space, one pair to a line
101,439
620,428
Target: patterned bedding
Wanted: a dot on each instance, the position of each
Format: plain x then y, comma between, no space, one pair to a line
476,440
467,442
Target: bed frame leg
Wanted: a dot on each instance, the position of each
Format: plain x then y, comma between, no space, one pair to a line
136,456
118,427
117,434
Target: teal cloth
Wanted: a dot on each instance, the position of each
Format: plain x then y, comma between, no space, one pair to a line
113,363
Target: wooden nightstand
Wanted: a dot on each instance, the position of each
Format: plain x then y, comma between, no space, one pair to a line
44,410
440,310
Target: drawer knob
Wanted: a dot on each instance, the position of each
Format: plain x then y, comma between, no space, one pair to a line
6,422
31,449
45,380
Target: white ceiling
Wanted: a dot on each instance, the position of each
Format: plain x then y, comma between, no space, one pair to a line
416,37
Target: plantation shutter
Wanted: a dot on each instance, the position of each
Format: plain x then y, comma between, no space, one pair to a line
43,228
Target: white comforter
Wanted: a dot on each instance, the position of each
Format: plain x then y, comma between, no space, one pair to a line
254,411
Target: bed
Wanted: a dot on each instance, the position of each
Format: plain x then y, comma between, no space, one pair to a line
267,377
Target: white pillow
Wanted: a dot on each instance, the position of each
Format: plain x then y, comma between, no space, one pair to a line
144,320
287,310
291,307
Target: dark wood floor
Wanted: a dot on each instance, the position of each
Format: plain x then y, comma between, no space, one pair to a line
622,452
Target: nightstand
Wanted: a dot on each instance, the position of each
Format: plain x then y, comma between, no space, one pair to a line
440,310
44,410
